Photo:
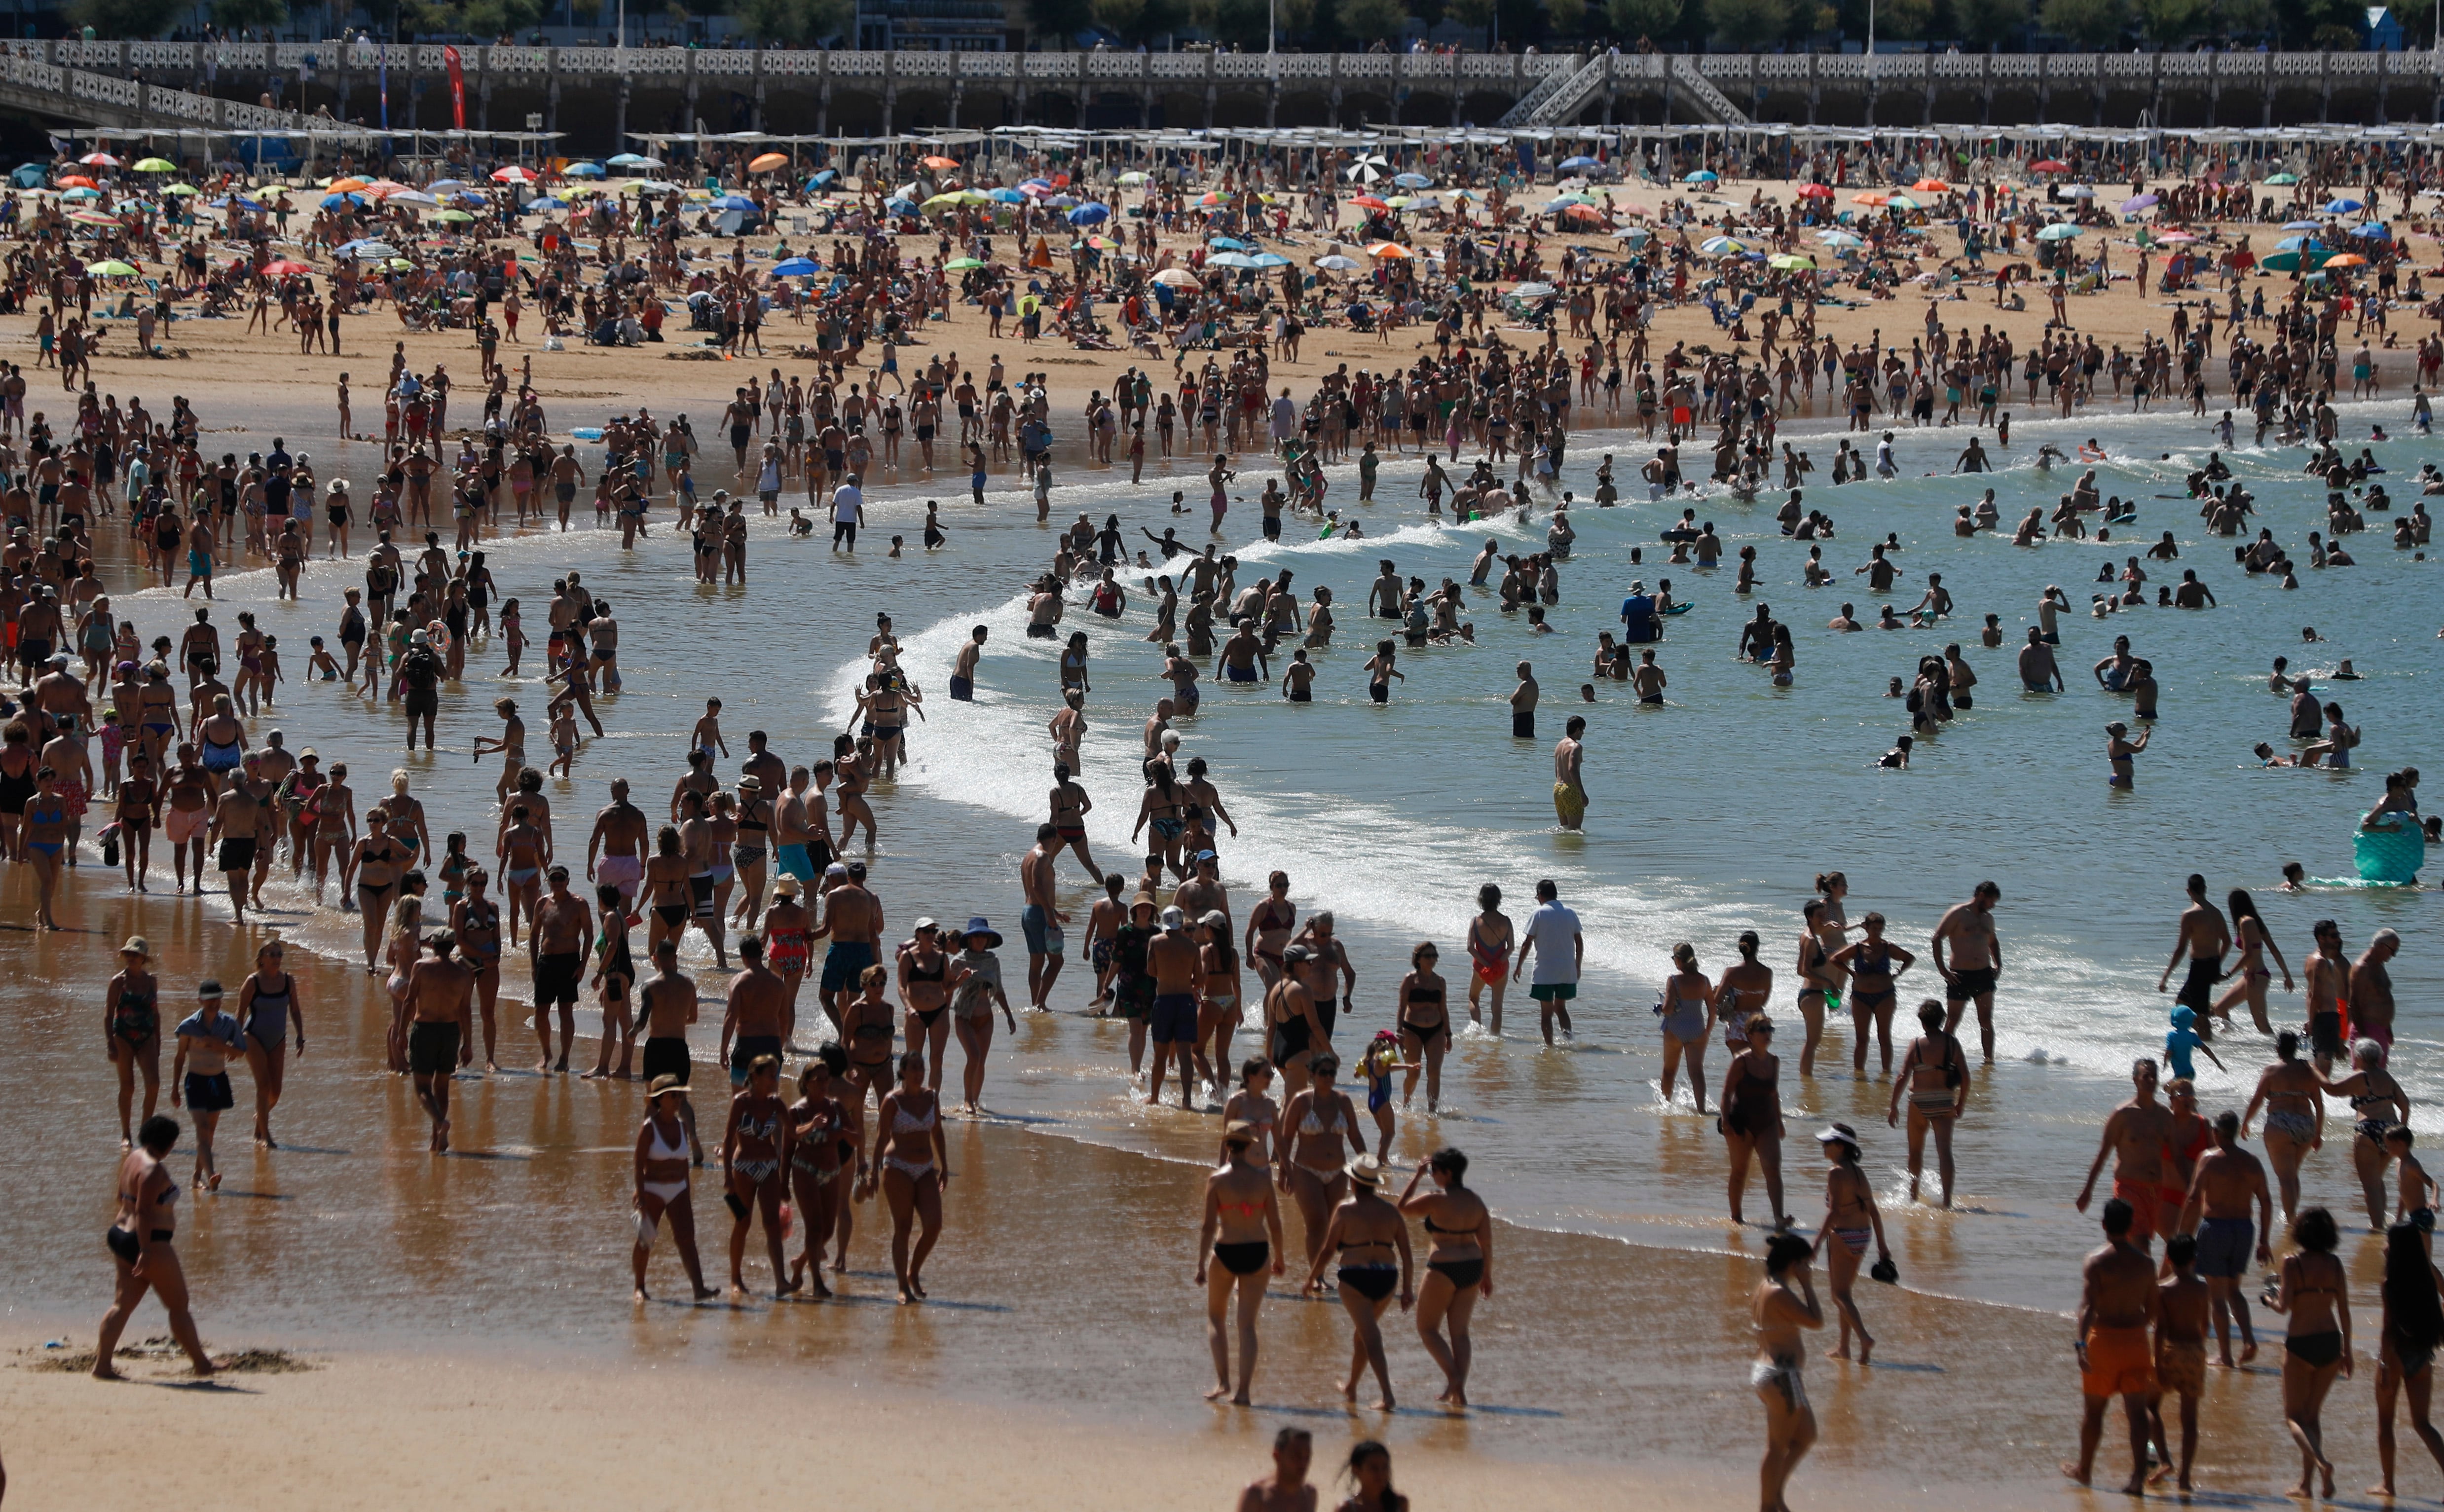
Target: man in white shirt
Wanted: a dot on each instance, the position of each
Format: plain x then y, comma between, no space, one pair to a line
848,512
1285,418
1551,937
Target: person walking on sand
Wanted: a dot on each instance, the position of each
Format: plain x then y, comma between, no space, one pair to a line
1242,1228
440,991
2314,1293
1851,1218
2180,1352
208,1041
662,1187
2410,1332
132,1032
1459,1265
1370,1241
142,1248
2226,1191
1783,1304
2118,1309
915,1163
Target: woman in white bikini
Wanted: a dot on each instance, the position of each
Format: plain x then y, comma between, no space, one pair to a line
661,1177
1253,1106
1319,1135
915,1168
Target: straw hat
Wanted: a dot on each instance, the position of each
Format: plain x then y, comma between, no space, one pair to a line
663,1086
136,945
1239,1132
1365,1171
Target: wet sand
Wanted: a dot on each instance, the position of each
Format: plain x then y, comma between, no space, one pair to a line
492,1286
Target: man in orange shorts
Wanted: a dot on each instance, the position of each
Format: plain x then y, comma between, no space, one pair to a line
2135,1137
2118,1307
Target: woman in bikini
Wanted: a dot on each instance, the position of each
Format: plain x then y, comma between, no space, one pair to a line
1688,1012
1294,1030
789,932
754,1151
1934,1079
401,947
1243,1229
143,1247
866,1029
852,768
1746,987
2294,1099
751,844
269,1007
1369,1240
2249,933
615,980
668,888
1459,1264
1219,1010
927,974
1253,1106
380,859
1751,1118
661,1184
1489,954
1784,1304
1851,1218
1819,981
131,1030
2314,1293
1270,925
915,1163
1162,805
2377,1103
407,825
1875,965
1424,1016
817,1124
1319,1135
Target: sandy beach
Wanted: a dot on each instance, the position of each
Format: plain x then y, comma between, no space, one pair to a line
462,1328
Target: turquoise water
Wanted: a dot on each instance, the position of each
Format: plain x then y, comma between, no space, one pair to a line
1711,814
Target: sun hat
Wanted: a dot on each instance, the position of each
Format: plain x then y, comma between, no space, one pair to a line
978,928
664,1085
136,945
1839,1133
1365,1171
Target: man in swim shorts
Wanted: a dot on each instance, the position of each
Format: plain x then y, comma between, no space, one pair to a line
2118,1309
2135,1137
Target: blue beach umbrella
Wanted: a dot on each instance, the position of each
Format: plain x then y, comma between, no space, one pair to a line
2343,207
339,201
794,268
1572,165
1090,214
